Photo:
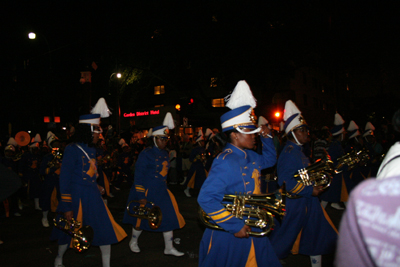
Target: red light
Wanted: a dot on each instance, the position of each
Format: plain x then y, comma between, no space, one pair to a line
178,107
46,119
57,119
191,101
277,114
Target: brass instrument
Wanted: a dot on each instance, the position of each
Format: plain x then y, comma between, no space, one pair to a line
81,235
258,210
353,158
317,174
153,215
22,138
57,157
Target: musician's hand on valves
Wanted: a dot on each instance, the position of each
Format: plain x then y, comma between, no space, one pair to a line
69,215
244,232
317,190
265,131
143,201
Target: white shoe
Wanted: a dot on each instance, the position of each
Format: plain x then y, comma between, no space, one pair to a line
173,252
187,193
134,246
337,206
45,222
184,181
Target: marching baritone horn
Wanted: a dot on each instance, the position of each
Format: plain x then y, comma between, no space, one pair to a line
82,236
258,210
153,215
317,174
353,158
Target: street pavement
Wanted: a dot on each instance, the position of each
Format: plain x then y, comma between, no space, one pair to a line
27,243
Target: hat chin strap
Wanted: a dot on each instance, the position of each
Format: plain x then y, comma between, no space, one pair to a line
155,143
295,138
252,132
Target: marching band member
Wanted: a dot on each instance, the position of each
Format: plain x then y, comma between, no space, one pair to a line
354,143
375,150
29,171
81,196
197,173
150,185
306,228
50,169
337,191
236,170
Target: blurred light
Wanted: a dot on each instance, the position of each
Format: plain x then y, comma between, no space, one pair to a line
57,119
178,107
46,119
64,128
119,75
32,35
29,131
277,114
191,101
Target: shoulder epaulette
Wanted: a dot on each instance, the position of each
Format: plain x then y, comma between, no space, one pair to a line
224,153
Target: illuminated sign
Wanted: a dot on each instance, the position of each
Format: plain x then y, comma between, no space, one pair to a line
141,113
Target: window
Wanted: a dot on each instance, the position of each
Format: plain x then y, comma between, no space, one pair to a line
213,82
218,103
159,90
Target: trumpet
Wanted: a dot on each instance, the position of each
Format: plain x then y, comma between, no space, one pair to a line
81,236
258,210
153,215
353,158
317,174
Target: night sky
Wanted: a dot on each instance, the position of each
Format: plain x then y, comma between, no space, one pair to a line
178,42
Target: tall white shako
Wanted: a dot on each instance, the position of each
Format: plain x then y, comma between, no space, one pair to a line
200,136
352,130
293,119
337,125
241,102
209,134
369,129
163,130
51,137
99,110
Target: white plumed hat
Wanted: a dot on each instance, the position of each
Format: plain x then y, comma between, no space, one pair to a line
101,108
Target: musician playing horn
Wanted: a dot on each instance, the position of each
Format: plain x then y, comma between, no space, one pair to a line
306,228
236,170
81,196
150,185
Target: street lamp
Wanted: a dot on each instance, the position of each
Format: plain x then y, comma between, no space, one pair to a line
32,36
119,76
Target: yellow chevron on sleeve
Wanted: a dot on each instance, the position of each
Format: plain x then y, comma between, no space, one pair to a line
225,219
139,188
215,212
223,215
297,188
66,198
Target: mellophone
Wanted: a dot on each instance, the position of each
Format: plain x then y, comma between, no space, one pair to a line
258,210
